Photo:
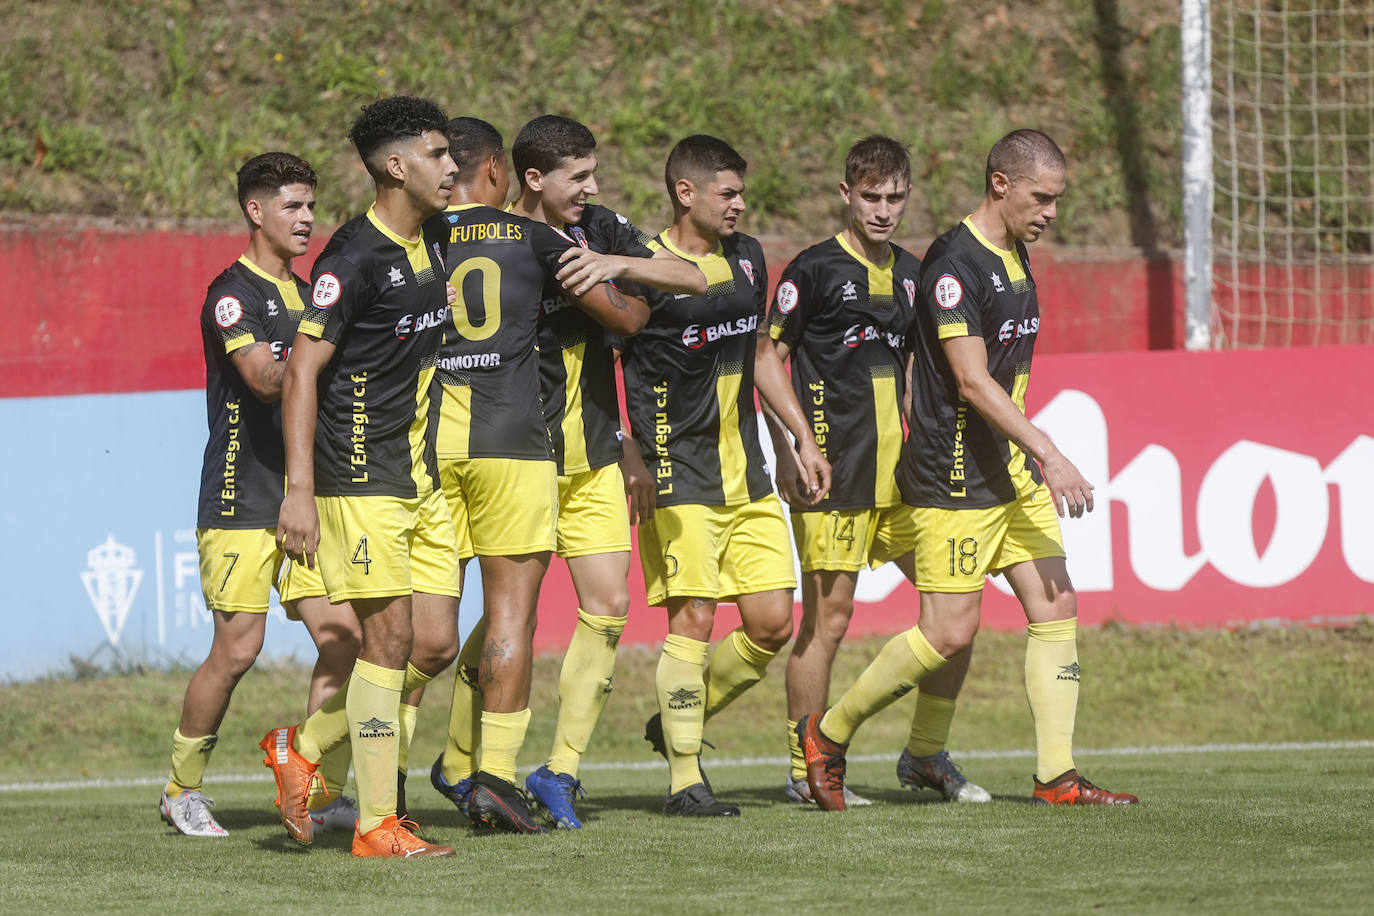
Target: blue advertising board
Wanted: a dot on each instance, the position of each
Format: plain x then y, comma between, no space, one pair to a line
98,500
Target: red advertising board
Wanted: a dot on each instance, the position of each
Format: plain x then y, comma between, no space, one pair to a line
1230,488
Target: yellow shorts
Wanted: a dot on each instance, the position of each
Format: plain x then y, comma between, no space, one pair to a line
957,548
238,567
851,539
593,516
501,507
296,582
386,546
718,552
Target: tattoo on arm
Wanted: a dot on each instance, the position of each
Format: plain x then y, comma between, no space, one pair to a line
616,298
271,375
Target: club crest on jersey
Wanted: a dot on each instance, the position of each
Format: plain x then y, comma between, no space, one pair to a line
787,297
949,292
848,292
228,311
910,286
272,307
579,236
748,267
327,291
396,277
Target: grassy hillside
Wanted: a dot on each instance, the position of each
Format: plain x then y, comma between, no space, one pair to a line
146,108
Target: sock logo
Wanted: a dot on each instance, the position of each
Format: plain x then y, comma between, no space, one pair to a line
902,690
376,728
207,744
684,698
469,675
1068,673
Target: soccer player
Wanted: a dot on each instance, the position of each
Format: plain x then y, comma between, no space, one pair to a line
717,532
841,313
985,483
556,165
495,456
362,484
247,322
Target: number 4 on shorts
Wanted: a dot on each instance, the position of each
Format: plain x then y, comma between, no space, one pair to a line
360,557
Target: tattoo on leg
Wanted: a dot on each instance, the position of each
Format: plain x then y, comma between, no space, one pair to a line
494,654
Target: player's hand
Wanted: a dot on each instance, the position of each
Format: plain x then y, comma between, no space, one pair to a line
788,477
1067,487
815,472
450,292
583,269
298,527
639,485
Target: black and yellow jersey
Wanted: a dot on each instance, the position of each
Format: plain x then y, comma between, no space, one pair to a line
576,365
381,300
689,382
969,288
844,320
243,473
503,267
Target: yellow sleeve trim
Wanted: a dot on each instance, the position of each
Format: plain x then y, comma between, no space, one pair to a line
953,330
311,328
238,342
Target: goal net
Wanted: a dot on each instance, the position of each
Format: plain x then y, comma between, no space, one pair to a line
1293,138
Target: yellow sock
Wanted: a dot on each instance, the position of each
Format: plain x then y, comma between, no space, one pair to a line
502,735
465,713
681,683
333,774
794,750
583,687
374,712
1052,689
190,756
415,679
738,664
325,729
408,715
899,667
930,725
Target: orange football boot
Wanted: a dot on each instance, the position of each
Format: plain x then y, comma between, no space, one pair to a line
394,838
1072,789
294,774
825,764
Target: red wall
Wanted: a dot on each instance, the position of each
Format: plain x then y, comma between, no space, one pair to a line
92,310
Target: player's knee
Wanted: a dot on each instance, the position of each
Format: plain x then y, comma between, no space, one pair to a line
771,635
338,645
834,623
609,603
952,635
433,659
1065,606
235,658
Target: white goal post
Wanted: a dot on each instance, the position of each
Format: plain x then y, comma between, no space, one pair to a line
1278,172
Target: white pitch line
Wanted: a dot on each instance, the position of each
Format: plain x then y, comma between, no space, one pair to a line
728,762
